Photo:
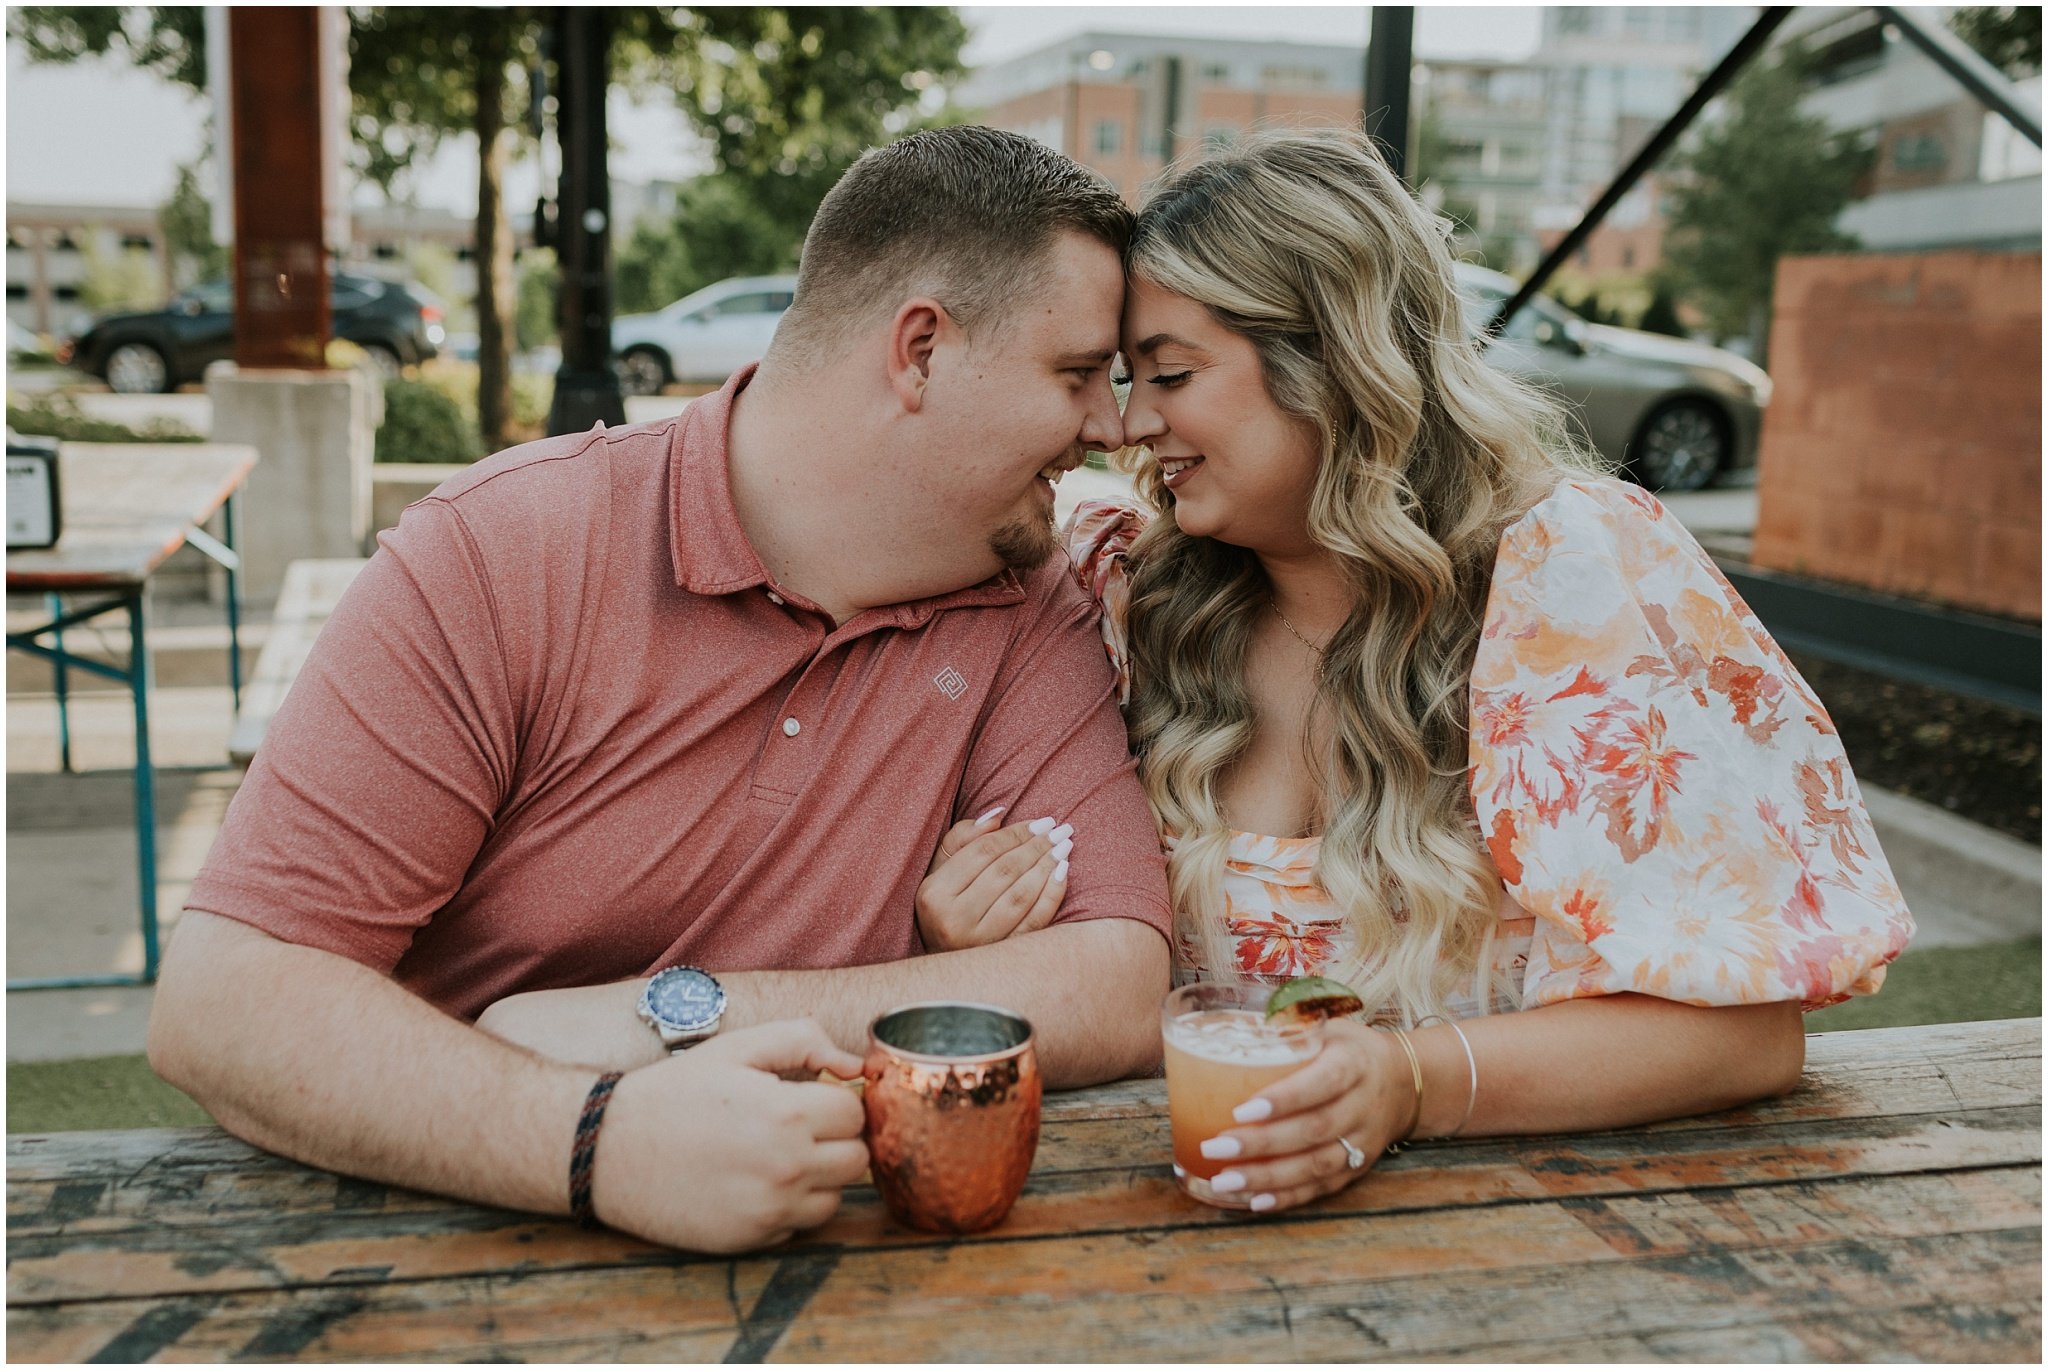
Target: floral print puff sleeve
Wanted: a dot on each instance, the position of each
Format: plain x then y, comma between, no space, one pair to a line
1654,781
1098,535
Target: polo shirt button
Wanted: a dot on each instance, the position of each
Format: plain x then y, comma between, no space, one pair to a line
774,598
790,727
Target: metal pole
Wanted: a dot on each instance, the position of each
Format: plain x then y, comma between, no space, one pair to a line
587,386
60,676
227,527
145,780
1738,57
1970,70
1389,55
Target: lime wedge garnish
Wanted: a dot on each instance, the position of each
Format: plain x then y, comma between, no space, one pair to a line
1312,998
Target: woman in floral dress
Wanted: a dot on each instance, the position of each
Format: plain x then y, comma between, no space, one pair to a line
1427,703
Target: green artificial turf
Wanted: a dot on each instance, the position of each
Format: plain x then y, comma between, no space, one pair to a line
92,1095
1940,985
1947,985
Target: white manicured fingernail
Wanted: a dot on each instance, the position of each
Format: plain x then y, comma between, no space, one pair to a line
1039,827
1064,832
1253,1111
1222,1148
1262,1202
988,817
1061,851
1229,1182
1059,874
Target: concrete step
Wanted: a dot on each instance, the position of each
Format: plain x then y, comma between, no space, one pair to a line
1965,883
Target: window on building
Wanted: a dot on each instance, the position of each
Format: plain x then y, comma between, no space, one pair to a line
1919,152
17,292
1216,73
65,292
1138,67
1575,19
1109,137
137,242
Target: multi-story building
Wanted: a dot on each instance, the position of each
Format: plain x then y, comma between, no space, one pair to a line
1479,151
1127,104
1947,171
1613,76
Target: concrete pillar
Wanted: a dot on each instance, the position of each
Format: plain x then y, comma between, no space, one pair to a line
310,495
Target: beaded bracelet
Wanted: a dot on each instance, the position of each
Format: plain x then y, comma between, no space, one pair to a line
583,1154
1471,1066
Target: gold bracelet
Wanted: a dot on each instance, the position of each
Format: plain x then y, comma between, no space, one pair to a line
1471,1066
1415,1068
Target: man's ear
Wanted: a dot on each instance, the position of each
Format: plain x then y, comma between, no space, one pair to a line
913,336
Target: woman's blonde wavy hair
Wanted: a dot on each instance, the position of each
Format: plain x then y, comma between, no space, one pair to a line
1307,244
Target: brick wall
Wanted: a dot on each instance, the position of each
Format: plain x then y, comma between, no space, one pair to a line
1901,449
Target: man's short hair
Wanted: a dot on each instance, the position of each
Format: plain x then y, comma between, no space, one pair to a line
967,215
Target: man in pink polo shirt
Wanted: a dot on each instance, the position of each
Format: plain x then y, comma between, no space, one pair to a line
632,737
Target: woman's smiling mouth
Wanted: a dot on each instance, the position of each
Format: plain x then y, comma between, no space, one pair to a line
1176,470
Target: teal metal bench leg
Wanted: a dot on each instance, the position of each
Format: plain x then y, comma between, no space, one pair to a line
233,567
139,681
61,676
138,677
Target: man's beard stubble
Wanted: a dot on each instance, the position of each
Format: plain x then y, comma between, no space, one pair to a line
1024,544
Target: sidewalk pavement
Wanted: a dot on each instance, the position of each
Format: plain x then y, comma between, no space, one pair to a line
71,898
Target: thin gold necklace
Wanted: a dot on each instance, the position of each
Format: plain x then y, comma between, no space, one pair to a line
1275,606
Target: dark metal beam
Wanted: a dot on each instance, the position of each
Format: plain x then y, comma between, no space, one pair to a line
587,386
1737,57
1970,70
1389,57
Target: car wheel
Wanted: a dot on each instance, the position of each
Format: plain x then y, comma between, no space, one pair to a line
643,371
385,361
1680,447
136,368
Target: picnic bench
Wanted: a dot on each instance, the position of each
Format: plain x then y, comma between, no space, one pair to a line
127,508
312,587
1888,1209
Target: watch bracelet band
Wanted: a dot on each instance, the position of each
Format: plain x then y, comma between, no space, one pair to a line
583,1154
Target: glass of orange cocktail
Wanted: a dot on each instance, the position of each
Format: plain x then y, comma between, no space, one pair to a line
1221,1050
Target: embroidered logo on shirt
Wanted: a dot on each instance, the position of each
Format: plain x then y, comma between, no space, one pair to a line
951,683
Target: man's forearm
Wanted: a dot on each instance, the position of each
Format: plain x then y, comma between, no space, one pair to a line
1091,990
310,1055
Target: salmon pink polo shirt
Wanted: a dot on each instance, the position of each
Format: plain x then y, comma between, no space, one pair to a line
565,729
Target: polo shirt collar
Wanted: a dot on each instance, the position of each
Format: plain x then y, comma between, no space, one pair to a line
710,550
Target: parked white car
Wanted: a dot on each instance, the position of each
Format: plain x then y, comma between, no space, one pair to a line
702,337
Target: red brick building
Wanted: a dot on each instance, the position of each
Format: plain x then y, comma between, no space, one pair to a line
1127,104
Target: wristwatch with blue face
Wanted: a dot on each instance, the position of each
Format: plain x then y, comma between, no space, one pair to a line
683,1004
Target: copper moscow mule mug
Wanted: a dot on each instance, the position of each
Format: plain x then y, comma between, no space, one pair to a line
952,1102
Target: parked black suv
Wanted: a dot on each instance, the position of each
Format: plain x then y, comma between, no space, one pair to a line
149,353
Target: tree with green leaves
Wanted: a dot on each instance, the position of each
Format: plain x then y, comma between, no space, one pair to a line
786,100
2006,36
187,221
418,75
1763,181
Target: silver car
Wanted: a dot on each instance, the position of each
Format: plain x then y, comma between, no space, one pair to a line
1675,413
705,336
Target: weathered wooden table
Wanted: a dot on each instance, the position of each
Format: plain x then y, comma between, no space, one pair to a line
1890,1209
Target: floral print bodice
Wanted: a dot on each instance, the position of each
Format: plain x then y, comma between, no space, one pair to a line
1667,803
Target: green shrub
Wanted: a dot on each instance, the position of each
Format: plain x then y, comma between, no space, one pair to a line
424,424
58,416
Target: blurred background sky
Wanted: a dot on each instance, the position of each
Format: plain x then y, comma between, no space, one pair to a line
101,132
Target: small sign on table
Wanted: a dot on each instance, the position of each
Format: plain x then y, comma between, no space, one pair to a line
34,510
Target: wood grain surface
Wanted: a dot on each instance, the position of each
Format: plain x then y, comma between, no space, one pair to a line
126,509
1888,1209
